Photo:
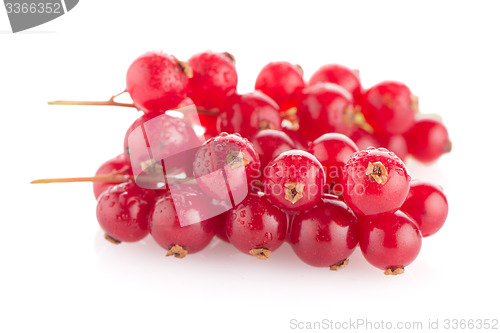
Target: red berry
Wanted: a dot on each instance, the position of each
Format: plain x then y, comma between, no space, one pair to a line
225,166
340,75
184,221
427,140
294,180
375,181
364,139
299,141
214,78
270,143
256,227
325,108
390,242
157,81
389,107
395,143
325,235
122,212
248,114
333,150
427,205
157,141
282,82
118,166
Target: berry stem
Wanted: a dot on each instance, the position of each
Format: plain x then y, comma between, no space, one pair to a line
109,178
110,102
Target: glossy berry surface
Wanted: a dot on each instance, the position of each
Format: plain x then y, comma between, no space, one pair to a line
183,222
115,166
214,78
325,108
154,138
427,206
157,82
395,143
364,139
225,166
270,143
248,114
341,75
390,242
333,150
325,235
122,212
294,180
281,81
427,140
389,107
256,227
375,181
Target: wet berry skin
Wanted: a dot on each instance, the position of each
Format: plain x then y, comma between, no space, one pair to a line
294,180
390,241
333,150
325,235
270,143
364,139
427,140
247,114
375,181
225,166
325,108
389,107
118,166
281,81
256,227
340,75
157,82
184,222
427,205
123,210
158,137
214,78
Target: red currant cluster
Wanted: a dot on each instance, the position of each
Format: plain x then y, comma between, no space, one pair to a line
300,167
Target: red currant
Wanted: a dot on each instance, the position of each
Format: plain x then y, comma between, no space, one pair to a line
390,242
184,221
325,108
118,166
214,78
375,181
333,150
157,81
294,180
157,141
248,114
326,235
270,143
340,75
122,212
395,143
256,227
389,107
427,205
364,139
427,140
225,167
281,81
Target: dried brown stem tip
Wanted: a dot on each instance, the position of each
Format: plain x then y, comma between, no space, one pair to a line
261,253
414,103
111,239
177,251
236,159
294,191
185,68
230,56
339,265
377,172
394,271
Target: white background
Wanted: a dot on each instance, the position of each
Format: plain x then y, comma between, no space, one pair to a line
59,275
